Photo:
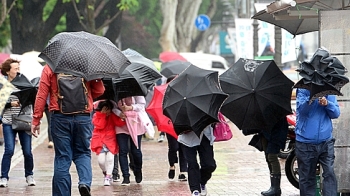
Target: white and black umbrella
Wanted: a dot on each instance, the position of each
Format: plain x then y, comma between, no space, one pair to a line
84,54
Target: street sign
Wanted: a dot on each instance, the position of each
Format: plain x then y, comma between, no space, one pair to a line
202,22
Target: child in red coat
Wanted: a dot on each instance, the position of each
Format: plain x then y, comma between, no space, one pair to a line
104,142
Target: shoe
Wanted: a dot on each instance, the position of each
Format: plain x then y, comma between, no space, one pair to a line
107,181
116,178
195,193
50,144
3,182
182,177
84,190
30,180
203,190
171,174
161,138
138,176
126,181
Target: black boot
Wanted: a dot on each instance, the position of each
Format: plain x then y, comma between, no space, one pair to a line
275,189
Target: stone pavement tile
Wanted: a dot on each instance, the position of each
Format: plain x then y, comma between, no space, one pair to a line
241,170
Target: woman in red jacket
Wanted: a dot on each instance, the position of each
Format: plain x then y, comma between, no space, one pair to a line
103,141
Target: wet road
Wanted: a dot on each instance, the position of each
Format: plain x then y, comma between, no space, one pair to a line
241,171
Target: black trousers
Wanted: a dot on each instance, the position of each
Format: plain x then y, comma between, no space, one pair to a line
199,175
173,147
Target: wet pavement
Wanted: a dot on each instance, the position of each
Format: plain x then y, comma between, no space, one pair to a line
241,170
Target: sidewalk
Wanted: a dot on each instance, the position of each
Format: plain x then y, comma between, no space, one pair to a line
241,170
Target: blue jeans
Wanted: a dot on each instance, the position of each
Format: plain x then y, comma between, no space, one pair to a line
308,156
125,143
71,135
26,143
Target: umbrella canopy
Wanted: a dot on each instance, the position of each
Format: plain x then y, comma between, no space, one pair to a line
322,75
171,68
298,19
193,99
84,54
259,94
5,91
155,109
137,78
170,56
27,89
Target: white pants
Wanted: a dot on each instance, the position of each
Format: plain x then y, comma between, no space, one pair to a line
106,162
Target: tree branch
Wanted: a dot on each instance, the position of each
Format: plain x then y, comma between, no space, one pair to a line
99,8
5,12
78,15
108,21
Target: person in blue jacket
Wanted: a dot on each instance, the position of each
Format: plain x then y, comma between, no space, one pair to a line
315,143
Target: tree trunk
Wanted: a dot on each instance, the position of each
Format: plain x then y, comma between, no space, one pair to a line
28,30
198,35
185,16
168,34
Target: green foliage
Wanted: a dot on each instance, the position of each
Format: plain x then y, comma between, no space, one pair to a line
149,16
5,33
127,4
61,26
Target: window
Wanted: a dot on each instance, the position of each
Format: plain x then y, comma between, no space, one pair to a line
217,65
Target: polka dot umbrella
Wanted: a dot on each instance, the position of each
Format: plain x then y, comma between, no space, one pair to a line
84,54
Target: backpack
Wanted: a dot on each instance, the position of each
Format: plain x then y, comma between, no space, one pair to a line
72,94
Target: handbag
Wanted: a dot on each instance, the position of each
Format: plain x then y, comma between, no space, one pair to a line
222,130
22,122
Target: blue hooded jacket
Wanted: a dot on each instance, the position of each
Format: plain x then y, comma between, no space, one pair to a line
314,124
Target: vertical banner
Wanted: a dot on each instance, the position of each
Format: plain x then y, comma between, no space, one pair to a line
266,35
244,36
290,46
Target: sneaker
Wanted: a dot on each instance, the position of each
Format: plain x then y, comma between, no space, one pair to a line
84,190
182,177
203,190
171,174
50,144
116,178
3,182
195,193
126,181
161,138
107,182
138,176
30,180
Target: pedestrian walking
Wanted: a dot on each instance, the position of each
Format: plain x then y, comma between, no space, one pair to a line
271,141
104,142
71,133
199,174
129,140
315,142
10,69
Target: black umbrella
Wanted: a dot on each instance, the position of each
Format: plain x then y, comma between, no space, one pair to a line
171,68
298,19
84,54
193,99
259,94
27,90
137,78
322,75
